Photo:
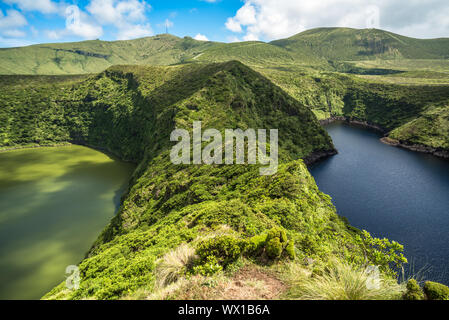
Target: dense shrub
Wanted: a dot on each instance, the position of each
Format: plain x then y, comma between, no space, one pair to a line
225,249
218,253
414,291
436,291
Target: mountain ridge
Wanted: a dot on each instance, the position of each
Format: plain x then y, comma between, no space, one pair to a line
312,47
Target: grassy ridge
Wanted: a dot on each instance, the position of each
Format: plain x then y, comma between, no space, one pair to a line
95,56
345,44
131,111
311,48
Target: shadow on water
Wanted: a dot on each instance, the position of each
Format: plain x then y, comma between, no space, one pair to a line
393,193
51,216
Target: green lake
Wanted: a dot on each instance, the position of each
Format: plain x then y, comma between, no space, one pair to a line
54,202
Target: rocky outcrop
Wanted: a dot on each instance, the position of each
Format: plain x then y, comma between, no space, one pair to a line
438,152
331,119
416,147
319,156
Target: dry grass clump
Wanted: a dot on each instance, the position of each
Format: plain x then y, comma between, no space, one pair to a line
174,265
342,281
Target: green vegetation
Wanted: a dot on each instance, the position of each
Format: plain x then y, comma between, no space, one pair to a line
342,281
131,111
436,291
345,44
395,82
185,227
414,291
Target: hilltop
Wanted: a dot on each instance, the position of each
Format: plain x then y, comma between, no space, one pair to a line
346,44
310,48
95,56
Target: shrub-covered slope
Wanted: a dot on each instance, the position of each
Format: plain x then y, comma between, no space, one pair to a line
222,212
323,48
128,109
346,44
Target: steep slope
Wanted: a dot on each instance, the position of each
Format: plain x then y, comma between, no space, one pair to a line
221,212
81,109
345,44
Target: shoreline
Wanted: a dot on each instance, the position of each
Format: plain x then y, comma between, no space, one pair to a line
416,147
67,144
364,124
17,148
421,148
319,156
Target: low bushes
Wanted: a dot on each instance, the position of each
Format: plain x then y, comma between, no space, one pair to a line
414,291
436,291
218,253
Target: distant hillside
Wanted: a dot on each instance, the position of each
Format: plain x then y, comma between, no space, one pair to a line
310,48
345,44
96,56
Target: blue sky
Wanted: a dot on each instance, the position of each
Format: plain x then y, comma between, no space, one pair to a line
24,22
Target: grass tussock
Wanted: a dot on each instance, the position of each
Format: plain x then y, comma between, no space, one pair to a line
341,281
174,265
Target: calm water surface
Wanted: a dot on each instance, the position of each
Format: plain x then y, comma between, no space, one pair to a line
393,193
54,202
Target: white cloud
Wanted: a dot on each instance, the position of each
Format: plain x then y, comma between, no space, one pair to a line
44,6
11,23
13,19
127,16
250,37
8,42
274,19
201,37
118,12
233,25
135,31
14,33
246,15
79,24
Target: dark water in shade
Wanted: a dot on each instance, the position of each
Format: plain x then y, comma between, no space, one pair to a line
54,202
393,193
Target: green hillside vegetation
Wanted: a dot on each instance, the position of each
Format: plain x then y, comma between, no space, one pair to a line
345,44
189,226
95,56
314,48
278,230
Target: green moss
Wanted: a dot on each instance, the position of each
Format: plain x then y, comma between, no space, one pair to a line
274,248
436,291
414,291
290,250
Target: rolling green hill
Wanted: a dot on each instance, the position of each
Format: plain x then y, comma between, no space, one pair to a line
345,44
95,56
310,48
318,67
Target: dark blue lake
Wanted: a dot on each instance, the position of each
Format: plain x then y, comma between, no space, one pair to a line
393,193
